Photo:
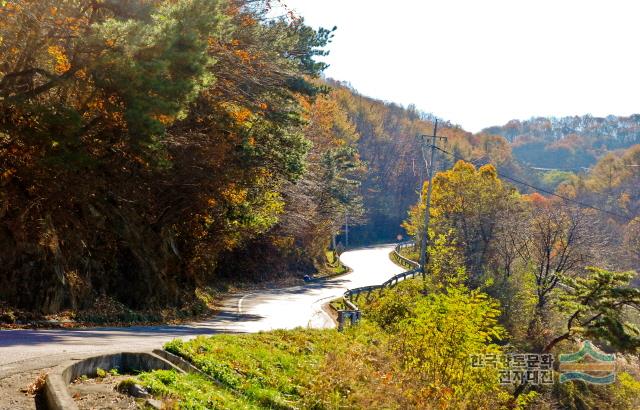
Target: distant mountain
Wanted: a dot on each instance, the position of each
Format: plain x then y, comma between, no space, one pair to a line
568,142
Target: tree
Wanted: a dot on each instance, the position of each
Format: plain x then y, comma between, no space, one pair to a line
144,139
632,240
435,343
554,246
596,307
469,202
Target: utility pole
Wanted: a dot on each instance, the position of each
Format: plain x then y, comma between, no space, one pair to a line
432,139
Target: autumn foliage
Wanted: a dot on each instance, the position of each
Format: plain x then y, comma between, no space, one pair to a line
140,140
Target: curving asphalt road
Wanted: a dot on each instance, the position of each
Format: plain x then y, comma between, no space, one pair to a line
287,308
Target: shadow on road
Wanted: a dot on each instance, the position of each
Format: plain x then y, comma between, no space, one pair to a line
221,323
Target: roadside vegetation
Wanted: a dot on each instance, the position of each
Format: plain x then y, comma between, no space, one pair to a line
371,365
507,273
333,265
554,276
412,350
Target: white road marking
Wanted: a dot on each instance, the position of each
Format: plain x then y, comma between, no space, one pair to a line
240,303
320,311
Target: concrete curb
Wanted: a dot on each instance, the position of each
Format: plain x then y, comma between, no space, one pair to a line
56,392
179,362
187,367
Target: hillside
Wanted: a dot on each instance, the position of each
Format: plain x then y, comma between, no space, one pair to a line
568,143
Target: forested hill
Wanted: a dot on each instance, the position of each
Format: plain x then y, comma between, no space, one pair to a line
152,149
568,142
371,194
389,146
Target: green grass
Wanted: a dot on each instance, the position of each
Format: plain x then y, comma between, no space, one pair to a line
191,391
410,254
264,370
333,265
338,304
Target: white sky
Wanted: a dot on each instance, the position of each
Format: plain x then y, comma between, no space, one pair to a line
483,62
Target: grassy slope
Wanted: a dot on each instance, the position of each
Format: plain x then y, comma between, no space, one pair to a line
278,369
333,266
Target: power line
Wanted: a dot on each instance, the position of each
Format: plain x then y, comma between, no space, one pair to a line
564,198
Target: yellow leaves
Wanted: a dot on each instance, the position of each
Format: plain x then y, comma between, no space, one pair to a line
62,64
567,190
235,195
463,166
488,171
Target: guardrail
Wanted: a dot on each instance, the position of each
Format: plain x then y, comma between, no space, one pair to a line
401,260
353,314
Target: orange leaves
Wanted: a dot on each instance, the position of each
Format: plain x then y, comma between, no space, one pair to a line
329,124
110,108
244,55
61,62
96,105
240,115
213,42
536,199
247,21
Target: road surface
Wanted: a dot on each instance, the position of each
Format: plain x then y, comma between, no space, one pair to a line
26,350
